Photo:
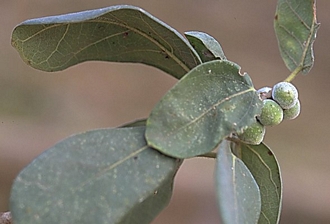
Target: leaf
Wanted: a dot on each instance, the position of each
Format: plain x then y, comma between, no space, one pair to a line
296,27
208,104
205,45
101,176
238,193
263,165
151,203
118,33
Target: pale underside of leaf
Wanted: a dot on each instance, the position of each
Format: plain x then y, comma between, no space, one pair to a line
238,193
117,33
263,165
296,27
205,45
102,176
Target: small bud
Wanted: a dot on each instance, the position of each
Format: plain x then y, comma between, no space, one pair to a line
265,93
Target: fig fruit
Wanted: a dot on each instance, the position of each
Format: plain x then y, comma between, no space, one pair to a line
271,113
285,94
293,112
254,134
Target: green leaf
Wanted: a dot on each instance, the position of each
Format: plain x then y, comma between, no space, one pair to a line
238,193
212,101
264,167
118,33
102,176
295,27
151,206
205,45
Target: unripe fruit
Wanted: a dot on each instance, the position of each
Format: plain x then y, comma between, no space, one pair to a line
254,134
265,93
285,94
271,113
293,112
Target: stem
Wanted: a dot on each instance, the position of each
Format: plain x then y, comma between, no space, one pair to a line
5,218
211,155
293,74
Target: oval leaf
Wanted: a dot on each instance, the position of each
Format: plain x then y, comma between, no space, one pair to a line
238,193
102,176
209,103
205,45
117,33
295,27
264,167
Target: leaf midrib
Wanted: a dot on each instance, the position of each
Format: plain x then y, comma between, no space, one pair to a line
209,109
270,177
104,171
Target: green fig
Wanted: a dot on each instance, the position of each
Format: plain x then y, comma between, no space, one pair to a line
254,134
285,94
293,112
271,113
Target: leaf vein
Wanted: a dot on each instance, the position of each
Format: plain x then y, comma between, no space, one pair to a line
104,171
212,107
268,168
297,15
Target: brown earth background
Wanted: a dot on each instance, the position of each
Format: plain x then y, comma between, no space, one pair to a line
38,109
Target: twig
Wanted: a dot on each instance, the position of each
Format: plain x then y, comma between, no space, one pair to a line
5,218
212,155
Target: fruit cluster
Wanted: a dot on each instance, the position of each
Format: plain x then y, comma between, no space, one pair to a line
279,103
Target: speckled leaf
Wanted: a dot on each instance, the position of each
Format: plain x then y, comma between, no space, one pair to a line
295,27
102,176
238,193
118,33
205,45
264,167
209,103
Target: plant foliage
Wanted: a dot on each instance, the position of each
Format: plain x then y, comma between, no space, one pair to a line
125,174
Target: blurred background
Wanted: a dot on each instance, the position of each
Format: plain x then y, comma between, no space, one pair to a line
38,109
